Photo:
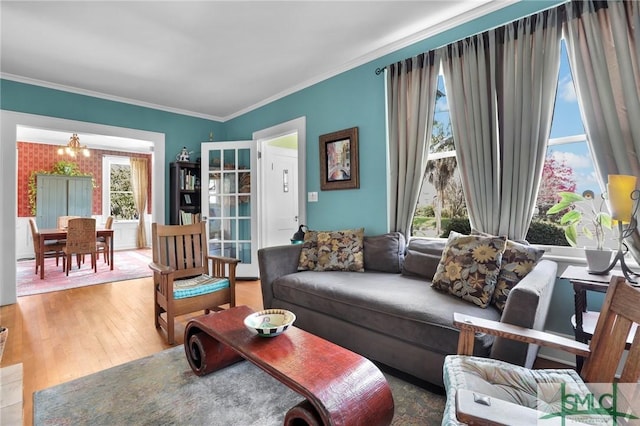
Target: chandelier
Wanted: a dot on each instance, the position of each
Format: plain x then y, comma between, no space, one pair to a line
73,148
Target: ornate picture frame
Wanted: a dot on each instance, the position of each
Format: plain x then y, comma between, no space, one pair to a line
339,162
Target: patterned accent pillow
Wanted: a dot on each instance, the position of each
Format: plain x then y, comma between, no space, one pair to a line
469,267
309,253
517,261
341,250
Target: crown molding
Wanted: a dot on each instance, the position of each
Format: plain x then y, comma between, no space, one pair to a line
71,89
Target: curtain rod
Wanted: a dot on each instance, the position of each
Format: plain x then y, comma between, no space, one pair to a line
380,70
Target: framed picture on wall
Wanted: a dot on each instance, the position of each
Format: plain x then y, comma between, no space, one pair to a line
339,160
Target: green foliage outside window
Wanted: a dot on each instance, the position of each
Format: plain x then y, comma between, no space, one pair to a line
121,202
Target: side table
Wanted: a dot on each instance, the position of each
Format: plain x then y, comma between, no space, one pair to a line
584,321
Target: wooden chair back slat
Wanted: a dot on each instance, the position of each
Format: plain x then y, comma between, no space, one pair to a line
632,366
620,311
182,247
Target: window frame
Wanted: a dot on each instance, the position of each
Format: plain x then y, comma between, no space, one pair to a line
107,162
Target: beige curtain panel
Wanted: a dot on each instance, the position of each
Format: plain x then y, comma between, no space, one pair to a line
501,86
140,185
603,45
412,85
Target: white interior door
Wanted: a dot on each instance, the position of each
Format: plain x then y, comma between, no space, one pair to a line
280,211
229,202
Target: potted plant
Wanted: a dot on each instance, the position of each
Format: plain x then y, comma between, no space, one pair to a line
585,217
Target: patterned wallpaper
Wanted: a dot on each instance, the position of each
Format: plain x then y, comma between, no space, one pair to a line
42,157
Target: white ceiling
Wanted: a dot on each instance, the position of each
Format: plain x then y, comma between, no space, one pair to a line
209,59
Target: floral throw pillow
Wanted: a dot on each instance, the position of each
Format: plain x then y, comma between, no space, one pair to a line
517,261
309,253
469,267
341,250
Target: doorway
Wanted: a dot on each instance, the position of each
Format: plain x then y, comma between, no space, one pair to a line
282,187
11,123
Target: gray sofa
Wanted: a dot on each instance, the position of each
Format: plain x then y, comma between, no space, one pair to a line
390,313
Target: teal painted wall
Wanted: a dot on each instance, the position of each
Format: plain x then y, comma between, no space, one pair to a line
180,130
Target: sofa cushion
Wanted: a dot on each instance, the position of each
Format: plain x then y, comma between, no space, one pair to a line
517,261
469,267
384,253
403,307
422,258
340,250
309,252
422,265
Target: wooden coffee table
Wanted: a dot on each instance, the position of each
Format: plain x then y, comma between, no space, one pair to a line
340,386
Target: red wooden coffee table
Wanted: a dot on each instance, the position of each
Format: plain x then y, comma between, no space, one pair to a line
340,386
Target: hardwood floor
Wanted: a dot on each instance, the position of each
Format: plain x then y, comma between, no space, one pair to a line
69,334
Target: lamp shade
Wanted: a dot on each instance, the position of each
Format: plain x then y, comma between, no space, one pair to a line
620,188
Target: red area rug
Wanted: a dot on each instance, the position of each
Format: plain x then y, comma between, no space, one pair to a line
128,265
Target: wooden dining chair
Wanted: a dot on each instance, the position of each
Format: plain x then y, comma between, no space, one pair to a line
81,240
489,391
103,242
53,248
186,279
63,221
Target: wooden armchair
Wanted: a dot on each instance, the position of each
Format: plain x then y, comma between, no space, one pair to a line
487,391
182,277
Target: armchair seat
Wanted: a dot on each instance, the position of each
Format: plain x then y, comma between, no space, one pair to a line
199,285
505,382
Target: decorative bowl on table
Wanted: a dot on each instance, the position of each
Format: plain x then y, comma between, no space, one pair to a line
270,322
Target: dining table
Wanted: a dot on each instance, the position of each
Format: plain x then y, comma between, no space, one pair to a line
61,234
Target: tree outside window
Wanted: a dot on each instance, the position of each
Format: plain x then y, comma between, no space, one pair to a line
121,204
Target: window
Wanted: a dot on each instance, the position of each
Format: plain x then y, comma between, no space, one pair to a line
568,167
118,193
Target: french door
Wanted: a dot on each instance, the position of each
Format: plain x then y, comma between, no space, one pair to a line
228,172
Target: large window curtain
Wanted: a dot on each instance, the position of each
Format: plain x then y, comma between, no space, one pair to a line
603,44
412,85
501,86
140,186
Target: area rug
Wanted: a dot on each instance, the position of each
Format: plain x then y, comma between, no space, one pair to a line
162,389
128,265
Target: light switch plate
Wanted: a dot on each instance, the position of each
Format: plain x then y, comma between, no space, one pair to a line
312,197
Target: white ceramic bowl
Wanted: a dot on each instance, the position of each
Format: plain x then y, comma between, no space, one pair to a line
270,322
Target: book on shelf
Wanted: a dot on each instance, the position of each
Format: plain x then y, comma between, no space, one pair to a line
187,218
188,180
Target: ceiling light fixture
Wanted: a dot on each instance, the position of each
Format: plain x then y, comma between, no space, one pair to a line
73,148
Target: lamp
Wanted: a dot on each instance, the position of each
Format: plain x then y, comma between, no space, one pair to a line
623,201
73,148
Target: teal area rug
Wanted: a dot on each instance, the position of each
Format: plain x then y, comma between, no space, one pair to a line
162,390
128,265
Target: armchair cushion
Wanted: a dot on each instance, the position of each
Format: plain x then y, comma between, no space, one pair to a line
195,286
469,267
507,382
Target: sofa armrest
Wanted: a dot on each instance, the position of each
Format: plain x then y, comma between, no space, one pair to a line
527,306
275,262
